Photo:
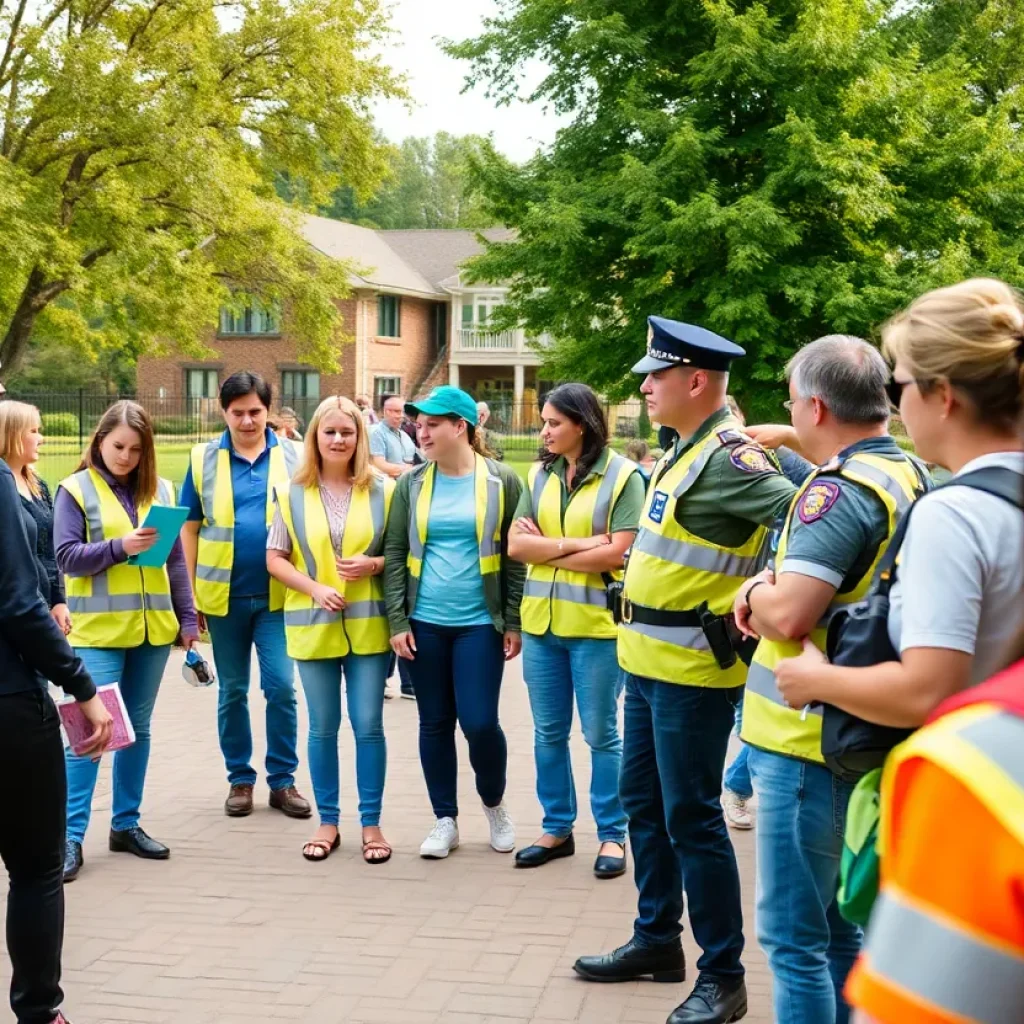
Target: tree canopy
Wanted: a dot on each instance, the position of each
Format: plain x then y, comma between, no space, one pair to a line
427,186
772,170
139,145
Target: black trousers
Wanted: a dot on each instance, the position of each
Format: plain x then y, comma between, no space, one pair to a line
32,849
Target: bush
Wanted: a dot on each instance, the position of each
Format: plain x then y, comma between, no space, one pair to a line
60,424
176,426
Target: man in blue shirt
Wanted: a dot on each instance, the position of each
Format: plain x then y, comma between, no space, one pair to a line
228,494
391,449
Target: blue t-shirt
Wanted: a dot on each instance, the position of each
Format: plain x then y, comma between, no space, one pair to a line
249,482
451,591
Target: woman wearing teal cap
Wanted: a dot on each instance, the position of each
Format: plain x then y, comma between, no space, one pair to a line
453,603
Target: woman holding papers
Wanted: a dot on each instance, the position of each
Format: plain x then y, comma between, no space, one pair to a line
326,546
125,617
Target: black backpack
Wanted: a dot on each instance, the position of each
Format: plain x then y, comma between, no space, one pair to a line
858,637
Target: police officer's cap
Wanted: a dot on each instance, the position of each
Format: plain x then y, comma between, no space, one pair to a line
673,343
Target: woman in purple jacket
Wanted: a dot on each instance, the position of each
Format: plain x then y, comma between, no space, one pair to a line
124,620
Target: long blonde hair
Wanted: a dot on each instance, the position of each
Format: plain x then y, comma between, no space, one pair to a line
971,334
16,420
308,473
131,414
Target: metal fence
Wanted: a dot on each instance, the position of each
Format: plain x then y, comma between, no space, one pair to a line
69,418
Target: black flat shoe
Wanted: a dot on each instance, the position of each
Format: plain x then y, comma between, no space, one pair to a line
73,860
632,962
534,856
610,867
134,840
714,1000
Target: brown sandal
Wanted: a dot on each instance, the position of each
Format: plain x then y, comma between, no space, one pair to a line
376,844
326,848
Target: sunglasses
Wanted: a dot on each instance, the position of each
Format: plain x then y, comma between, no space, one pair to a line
894,391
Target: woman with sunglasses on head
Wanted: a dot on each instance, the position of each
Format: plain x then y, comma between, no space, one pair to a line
453,598
124,617
958,371
576,519
326,546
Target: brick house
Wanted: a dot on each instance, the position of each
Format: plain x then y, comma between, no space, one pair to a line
413,320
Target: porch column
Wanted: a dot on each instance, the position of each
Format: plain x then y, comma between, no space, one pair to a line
518,387
453,374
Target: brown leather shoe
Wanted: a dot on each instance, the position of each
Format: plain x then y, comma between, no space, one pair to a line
290,802
239,801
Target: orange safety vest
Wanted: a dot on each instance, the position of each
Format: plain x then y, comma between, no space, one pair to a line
946,939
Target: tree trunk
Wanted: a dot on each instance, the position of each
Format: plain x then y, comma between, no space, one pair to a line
35,297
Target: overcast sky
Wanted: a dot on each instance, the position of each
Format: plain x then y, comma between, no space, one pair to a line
435,82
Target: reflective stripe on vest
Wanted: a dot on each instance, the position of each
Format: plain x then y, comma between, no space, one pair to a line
126,605
313,632
768,723
490,512
569,603
979,746
211,477
671,569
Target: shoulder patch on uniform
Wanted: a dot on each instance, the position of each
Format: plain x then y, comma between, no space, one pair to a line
817,500
731,436
751,458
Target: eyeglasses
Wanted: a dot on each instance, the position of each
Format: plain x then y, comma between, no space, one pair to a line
894,391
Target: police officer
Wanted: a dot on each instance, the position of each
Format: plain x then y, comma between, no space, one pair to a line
835,533
702,533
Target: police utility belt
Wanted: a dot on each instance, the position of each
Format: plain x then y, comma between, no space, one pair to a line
727,643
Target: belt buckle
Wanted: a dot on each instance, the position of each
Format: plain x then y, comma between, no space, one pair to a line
627,610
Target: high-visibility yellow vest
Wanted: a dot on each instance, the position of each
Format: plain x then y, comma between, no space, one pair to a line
569,603
126,605
362,627
671,569
767,722
490,513
211,477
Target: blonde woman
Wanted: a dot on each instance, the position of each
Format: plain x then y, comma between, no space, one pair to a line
326,546
958,354
124,619
21,437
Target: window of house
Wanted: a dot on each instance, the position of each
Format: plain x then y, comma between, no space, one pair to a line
252,320
299,384
440,325
389,318
467,314
384,386
201,384
478,311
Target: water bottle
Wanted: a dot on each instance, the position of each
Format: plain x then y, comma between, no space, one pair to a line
196,671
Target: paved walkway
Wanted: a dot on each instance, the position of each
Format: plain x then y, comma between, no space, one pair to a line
237,929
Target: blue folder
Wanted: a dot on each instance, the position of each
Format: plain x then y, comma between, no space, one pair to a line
167,520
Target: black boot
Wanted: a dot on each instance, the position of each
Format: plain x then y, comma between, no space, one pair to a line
73,860
631,962
714,1000
134,840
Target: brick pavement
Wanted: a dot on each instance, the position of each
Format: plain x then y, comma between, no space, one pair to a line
237,929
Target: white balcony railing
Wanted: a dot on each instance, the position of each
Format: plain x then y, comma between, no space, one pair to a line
471,340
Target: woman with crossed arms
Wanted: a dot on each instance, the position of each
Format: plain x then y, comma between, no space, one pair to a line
325,545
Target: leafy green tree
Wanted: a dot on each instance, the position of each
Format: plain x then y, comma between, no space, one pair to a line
772,170
139,146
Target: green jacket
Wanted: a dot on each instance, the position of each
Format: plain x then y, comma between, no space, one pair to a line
503,591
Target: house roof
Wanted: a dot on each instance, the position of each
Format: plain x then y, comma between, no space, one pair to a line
415,262
438,254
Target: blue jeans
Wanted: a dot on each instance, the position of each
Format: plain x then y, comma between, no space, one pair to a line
673,754
737,776
139,671
555,668
457,677
800,821
249,622
365,677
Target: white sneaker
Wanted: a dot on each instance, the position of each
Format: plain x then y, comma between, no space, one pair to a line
443,838
503,832
737,813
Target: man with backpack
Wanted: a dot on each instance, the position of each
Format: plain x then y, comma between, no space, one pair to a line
835,533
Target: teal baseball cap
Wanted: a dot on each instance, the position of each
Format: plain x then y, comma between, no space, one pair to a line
445,401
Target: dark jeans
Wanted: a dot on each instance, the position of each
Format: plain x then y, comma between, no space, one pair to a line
457,677
673,753
405,679
32,848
